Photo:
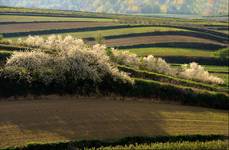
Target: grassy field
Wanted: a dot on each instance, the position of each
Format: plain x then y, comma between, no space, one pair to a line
124,31
172,52
212,145
55,119
109,32
26,27
77,118
15,18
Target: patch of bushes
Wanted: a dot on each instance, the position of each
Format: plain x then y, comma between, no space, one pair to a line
68,66
136,73
121,142
182,94
4,55
192,71
59,65
223,54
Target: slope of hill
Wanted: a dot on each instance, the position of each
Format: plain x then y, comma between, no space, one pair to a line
200,7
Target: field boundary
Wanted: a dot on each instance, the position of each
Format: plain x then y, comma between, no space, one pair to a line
122,142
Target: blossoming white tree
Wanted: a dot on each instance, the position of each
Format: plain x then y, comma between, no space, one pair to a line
69,54
195,71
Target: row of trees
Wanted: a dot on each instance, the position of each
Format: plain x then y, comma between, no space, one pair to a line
202,7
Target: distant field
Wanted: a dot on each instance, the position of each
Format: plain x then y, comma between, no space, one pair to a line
104,33
26,27
172,52
53,120
217,68
15,18
160,39
124,31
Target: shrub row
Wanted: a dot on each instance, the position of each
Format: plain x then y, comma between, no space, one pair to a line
122,142
141,88
165,78
184,95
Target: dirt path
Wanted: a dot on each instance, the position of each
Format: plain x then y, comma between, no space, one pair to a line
60,118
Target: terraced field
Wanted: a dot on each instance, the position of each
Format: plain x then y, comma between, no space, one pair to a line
26,27
53,120
18,18
164,41
189,52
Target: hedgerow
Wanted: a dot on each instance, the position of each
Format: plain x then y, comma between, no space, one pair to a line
96,144
192,71
60,65
136,73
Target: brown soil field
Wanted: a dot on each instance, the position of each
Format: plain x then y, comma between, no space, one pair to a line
157,39
53,119
26,27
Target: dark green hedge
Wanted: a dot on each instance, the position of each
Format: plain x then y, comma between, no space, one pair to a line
3,56
125,141
18,85
187,96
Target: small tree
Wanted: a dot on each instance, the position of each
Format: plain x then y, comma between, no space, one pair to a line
1,37
224,54
99,38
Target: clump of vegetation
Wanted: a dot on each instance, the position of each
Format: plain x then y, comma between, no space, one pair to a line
212,145
99,38
63,60
1,37
223,54
197,72
191,142
192,71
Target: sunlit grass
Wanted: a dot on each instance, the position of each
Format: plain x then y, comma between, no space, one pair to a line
15,18
172,52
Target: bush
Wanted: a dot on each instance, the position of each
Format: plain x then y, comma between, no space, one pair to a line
99,38
166,78
71,63
224,54
150,63
197,72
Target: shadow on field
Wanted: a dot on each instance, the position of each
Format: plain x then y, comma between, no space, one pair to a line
53,120
193,45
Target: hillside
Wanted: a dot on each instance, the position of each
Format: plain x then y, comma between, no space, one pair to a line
198,7
78,80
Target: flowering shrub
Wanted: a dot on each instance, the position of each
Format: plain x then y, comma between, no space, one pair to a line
152,63
82,62
72,59
197,72
149,63
125,58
